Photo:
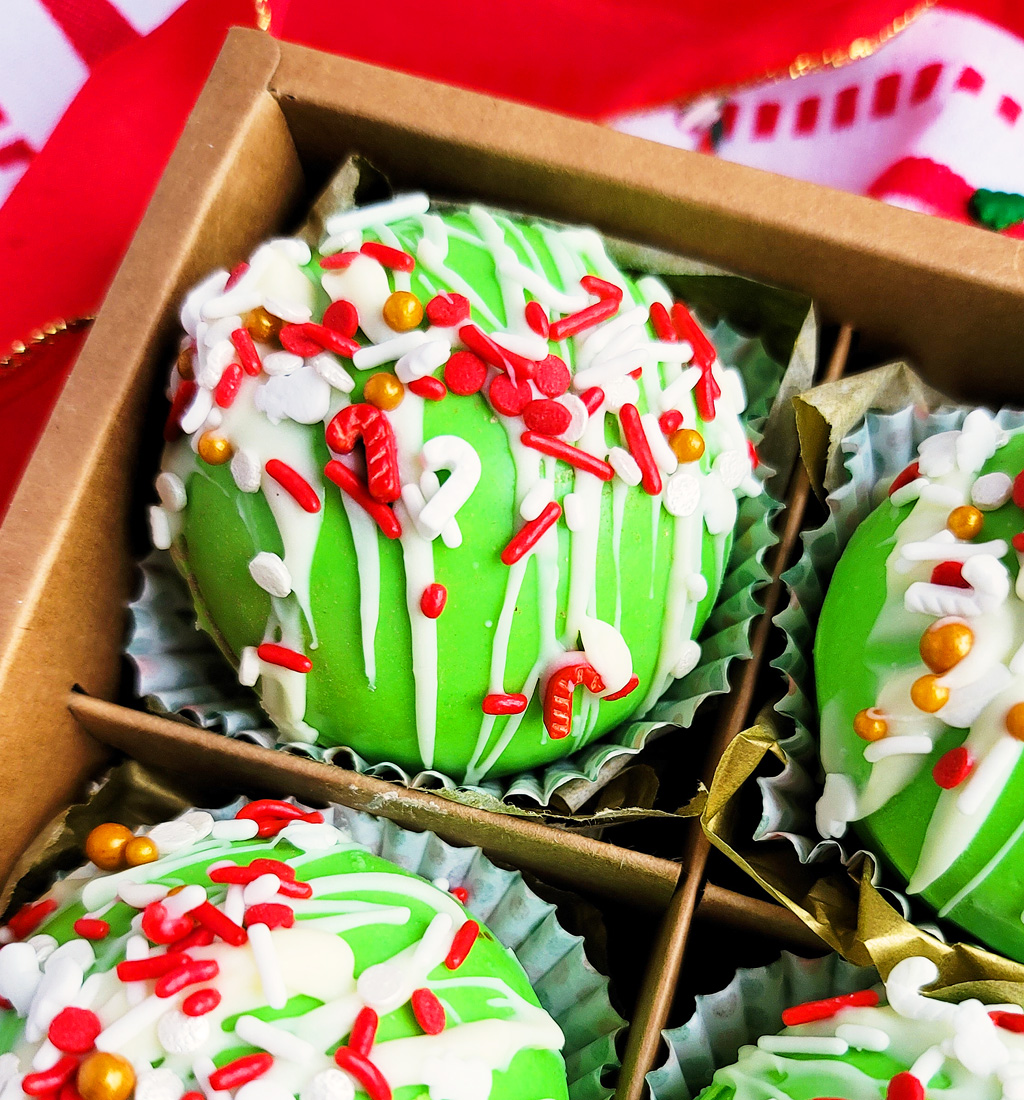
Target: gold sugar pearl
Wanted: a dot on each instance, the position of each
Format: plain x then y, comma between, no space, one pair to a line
928,694
105,1076
687,445
185,369
944,645
384,390
966,521
262,326
139,850
105,845
1015,721
402,311
870,724
215,449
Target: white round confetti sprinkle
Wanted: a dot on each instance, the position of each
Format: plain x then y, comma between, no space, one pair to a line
271,574
248,674
332,372
380,985
686,662
329,1084
201,821
171,490
160,528
313,837
622,391
624,464
579,414
991,491
303,397
181,1034
235,828
278,363
731,467
172,836
139,894
246,470
682,493
158,1084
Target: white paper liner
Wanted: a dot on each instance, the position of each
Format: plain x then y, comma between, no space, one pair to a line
750,1006
181,674
879,448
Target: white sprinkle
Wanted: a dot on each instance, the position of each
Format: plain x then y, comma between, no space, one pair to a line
540,288
441,884
332,372
909,745
578,413
135,1020
837,805
43,945
328,1084
733,389
424,359
679,351
158,1084
623,391
682,493
295,313
732,467
201,1070
663,454
686,662
197,411
934,550
388,351
383,986
246,470
927,1065
171,490
696,586
185,900
675,391
862,1037
235,828
248,673
536,500
574,510
803,1044
234,903
19,975
200,821
459,457
940,599
213,421
992,769
139,894
311,836
991,491
59,986
173,836
268,965
160,528
908,493
944,496
280,363
181,1034
271,574
274,1040
624,464
136,947
379,213
261,889
294,249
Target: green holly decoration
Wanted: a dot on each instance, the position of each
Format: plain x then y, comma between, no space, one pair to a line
997,209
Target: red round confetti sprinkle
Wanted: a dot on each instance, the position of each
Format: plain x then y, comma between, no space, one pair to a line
825,1009
905,477
193,1096
509,398
192,973
460,893
527,537
1008,1021
428,1010
386,256
953,767
950,573
74,1030
364,1031
364,1071
200,1002
339,261
91,928
670,421
48,1080
240,1071
227,388
159,926
343,317
547,417
428,387
537,319
1018,542
294,484
552,377
447,309
283,657
236,273
295,339
904,1086
465,373
461,944
271,913
514,703
433,599
627,689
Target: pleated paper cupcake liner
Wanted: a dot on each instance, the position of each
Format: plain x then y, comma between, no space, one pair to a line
750,1006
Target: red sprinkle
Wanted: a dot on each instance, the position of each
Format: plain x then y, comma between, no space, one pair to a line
688,329
275,807
295,889
706,392
527,537
199,937
558,695
227,388
552,377
74,1030
191,974
91,928
670,421
329,339
1008,1021
601,287
593,399
428,387
630,686
905,477
365,1072
236,274
295,339
547,417
338,262
160,927
1018,542
294,484
953,767
662,323
69,1091
47,1080
248,356
284,657
465,373
363,421
1018,490
507,397
343,317
428,1010
640,449
221,925
810,1011
139,970
585,318
200,1002
950,573
461,944
350,484
755,458
433,599
637,372
537,319
240,1071
386,256
271,913
193,1096
460,893
904,1086
557,448
504,704
180,402
364,1031
447,309
497,356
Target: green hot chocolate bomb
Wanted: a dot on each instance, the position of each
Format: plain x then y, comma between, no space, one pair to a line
921,735
453,490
